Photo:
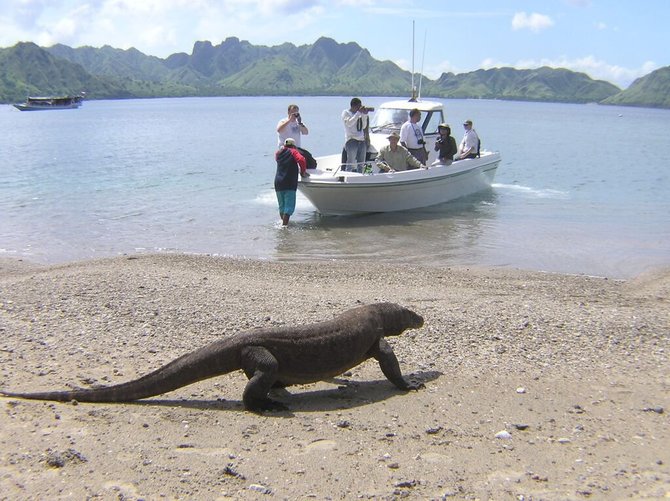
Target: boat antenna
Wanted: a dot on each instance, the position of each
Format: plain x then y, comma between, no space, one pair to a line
423,59
413,98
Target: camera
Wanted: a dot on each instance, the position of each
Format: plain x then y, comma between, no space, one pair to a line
421,141
297,115
366,109
439,140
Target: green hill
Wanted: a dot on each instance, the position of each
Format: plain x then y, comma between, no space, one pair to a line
26,69
541,84
326,67
652,90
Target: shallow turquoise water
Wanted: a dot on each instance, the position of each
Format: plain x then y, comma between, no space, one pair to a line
581,188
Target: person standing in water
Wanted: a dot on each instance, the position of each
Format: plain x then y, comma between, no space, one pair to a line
289,163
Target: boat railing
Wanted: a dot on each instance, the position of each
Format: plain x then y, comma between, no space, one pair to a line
350,169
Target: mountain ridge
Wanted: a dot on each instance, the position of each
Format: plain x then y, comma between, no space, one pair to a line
326,67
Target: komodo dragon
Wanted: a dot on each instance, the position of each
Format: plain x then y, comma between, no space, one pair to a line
272,357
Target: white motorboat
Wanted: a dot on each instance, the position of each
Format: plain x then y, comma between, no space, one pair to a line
334,191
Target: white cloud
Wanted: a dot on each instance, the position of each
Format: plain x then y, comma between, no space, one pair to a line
357,3
133,7
155,36
162,27
601,70
24,13
435,71
403,63
489,63
534,22
284,20
155,26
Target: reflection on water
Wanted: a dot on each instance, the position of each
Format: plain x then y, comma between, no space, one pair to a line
446,233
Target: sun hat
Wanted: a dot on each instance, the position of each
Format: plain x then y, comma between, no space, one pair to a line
289,141
467,122
393,134
444,126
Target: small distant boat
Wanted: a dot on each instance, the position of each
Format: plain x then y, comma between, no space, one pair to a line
51,103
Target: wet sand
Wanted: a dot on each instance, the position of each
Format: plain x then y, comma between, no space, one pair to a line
537,386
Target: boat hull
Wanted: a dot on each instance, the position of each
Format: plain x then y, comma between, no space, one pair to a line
27,107
50,103
348,193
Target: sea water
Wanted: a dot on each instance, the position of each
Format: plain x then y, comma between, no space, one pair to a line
580,189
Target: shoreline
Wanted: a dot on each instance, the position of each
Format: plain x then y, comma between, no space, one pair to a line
17,261
573,368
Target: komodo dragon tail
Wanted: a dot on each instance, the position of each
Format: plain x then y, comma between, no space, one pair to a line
220,357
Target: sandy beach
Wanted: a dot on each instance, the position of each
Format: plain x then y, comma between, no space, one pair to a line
537,386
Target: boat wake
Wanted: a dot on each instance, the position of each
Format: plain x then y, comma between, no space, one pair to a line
531,192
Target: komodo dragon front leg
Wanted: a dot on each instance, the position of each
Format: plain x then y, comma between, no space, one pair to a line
383,353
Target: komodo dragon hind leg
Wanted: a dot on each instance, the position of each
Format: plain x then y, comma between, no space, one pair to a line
261,367
389,365
276,384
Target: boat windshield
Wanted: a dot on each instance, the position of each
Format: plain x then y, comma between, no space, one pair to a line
387,120
431,120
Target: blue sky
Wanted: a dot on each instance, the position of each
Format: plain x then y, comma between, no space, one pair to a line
614,40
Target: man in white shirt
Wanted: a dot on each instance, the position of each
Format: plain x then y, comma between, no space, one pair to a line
291,127
356,123
411,136
469,147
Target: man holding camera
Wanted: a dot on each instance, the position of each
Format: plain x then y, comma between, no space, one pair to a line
356,139
411,137
291,127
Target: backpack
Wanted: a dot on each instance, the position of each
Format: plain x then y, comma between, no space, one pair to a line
311,161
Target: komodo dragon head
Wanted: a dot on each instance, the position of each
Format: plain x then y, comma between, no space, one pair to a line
396,319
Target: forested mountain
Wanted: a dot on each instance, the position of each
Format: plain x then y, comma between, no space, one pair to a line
652,90
237,67
541,84
26,69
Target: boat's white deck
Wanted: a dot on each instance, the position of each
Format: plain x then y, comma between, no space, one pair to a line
329,170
